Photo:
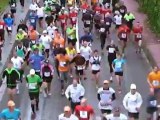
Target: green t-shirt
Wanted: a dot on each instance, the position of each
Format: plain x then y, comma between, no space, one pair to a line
33,83
129,17
40,47
20,36
69,31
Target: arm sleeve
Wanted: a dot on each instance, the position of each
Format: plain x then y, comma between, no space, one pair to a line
125,101
67,92
82,91
4,74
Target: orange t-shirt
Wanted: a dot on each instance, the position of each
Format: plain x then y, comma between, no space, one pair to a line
63,63
32,35
154,79
60,41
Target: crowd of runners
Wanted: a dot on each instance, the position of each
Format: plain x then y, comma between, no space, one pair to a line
46,42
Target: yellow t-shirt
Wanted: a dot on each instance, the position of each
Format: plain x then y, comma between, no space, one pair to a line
71,52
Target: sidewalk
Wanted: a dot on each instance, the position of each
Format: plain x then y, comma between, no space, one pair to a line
7,50
151,46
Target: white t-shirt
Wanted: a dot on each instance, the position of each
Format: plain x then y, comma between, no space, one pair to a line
40,12
17,62
86,52
33,7
51,30
46,40
105,96
72,117
121,117
118,19
95,66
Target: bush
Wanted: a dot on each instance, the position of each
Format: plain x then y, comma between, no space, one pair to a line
152,9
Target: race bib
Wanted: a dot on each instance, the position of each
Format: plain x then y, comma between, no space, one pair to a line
47,74
153,103
124,35
32,86
13,5
33,42
63,21
80,67
73,18
84,11
111,50
155,83
37,70
107,23
1,26
139,35
88,22
62,64
9,28
32,20
83,114
102,29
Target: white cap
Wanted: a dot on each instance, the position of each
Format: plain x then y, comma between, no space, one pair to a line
32,72
133,86
44,31
63,8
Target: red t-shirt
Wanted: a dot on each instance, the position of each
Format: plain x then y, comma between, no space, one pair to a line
83,113
2,25
123,28
63,18
137,29
98,9
73,16
84,6
104,11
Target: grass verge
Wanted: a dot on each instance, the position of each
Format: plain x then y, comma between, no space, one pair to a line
3,4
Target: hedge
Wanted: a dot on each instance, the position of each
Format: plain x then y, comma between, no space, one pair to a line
152,9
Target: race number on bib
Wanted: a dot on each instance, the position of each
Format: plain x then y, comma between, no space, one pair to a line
88,22
111,50
1,26
32,20
63,21
83,114
102,29
124,35
80,67
73,18
107,23
62,64
47,74
155,83
139,35
32,85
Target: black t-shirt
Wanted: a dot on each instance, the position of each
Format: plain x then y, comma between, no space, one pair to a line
112,50
97,18
23,27
78,60
49,19
103,29
108,21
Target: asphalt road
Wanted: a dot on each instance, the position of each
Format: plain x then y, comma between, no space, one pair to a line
136,70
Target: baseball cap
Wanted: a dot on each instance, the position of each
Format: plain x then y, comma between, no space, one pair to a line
44,31
10,103
32,72
133,87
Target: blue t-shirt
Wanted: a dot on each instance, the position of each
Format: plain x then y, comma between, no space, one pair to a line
36,65
33,19
7,115
118,65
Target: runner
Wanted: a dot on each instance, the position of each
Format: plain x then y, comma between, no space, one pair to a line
138,29
36,59
118,20
20,35
97,20
118,65
84,111
132,102
95,62
86,51
106,95
40,14
9,21
13,6
10,113
62,63
20,50
2,29
22,25
47,72
67,115
79,62
71,52
116,115
12,75
46,40
33,82
33,19
112,51
58,39
74,93
17,64
129,18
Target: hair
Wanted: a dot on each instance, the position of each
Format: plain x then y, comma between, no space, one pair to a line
95,50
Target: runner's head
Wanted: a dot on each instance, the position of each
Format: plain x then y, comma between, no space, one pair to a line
44,32
155,69
133,88
70,45
75,82
119,56
116,111
67,111
83,102
46,62
95,52
11,104
105,84
36,51
9,65
20,44
62,52
85,43
32,72
20,31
